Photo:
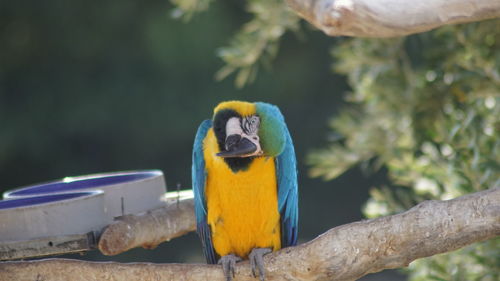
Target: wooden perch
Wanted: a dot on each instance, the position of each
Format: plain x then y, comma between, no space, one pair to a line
347,252
389,18
152,228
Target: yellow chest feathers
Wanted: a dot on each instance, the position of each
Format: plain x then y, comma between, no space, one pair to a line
242,206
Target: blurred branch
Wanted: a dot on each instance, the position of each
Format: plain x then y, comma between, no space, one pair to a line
389,18
347,252
150,229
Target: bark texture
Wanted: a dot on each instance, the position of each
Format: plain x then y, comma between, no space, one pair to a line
151,228
389,18
347,252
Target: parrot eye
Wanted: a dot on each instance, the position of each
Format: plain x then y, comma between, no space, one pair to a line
251,124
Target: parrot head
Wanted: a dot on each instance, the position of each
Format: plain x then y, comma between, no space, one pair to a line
247,130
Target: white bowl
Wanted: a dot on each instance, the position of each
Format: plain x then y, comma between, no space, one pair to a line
125,193
52,215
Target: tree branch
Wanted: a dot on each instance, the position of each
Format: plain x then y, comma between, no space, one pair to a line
347,252
150,229
389,18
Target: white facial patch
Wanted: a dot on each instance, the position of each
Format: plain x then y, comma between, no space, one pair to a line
233,127
249,130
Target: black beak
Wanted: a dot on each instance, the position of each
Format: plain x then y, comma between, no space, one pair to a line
236,146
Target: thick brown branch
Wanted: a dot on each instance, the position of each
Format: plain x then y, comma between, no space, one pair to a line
149,229
346,252
389,18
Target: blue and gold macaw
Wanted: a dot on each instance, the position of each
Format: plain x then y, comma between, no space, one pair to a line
245,185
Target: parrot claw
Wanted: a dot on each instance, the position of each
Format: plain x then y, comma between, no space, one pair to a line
228,263
257,261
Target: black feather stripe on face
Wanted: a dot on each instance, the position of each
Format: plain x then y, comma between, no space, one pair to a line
219,125
245,126
250,124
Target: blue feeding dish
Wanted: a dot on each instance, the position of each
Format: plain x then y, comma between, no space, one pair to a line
52,215
125,193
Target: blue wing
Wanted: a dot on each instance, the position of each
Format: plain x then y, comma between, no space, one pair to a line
199,174
286,170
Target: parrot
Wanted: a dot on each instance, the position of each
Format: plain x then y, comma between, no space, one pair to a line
244,180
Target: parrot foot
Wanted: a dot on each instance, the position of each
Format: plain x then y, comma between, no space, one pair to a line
228,263
257,261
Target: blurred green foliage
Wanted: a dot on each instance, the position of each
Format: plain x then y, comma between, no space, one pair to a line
426,108
256,43
258,40
185,9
